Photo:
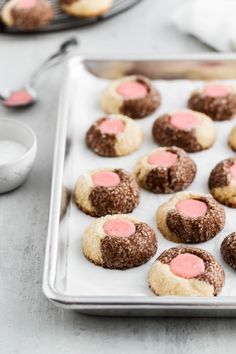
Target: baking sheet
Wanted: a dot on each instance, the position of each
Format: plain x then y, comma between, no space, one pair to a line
76,276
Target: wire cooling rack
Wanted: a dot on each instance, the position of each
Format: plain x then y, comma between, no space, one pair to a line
63,21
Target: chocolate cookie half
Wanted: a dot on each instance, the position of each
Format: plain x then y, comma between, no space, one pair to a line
165,170
216,100
119,242
186,271
191,131
85,8
133,96
190,218
27,14
113,136
106,191
228,250
222,182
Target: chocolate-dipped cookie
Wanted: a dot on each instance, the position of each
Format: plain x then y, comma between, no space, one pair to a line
113,136
27,14
186,271
222,182
232,139
133,96
190,218
218,101
228,250
85,8
119,242
106,191
191,131
165,170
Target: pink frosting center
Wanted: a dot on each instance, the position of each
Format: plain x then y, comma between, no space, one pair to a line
112,126
163,159
216,90
119,228
106,179
192,208
187,265
132,90
233,170
185,120
26,4
19,97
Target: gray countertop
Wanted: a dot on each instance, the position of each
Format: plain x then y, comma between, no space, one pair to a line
28,322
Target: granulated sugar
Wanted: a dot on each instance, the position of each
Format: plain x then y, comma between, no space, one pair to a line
10,151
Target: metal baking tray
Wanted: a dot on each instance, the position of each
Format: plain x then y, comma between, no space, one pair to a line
62,21
200,67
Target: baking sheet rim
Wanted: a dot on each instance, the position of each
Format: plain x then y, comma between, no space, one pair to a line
111,302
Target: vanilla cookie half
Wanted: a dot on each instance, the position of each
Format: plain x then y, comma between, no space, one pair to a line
133,96
216,100
85,8
106,191
27,14
189,130
119,242
186,271
165,170
113,136
232,139
222,182
190,218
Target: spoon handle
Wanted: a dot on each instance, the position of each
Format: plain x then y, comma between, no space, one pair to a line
54,58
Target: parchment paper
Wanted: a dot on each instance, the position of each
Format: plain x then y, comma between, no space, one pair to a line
76,275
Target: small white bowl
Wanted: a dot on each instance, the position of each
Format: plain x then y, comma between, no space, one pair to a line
13,174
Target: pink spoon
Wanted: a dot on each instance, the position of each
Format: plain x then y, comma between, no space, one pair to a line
26,95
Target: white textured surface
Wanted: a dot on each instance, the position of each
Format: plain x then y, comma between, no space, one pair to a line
28,323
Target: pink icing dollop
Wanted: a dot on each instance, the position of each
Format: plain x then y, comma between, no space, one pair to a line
132,90
187,266
106,179
112,126
233,170
191,208
26,4
163,159
216,90
119,228
19,98
185,120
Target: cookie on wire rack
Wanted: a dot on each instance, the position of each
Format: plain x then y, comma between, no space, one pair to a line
85,8
27,14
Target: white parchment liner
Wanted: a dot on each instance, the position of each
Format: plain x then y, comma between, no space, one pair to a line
76,275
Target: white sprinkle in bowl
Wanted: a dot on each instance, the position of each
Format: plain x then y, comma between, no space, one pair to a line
13,174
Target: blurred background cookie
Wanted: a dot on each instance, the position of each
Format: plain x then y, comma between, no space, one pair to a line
119,242
115,135
133,96
186,271
218,101
232,138
190,218
27,14
189,130
228,250
165,170
106,191
222,182
85,8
